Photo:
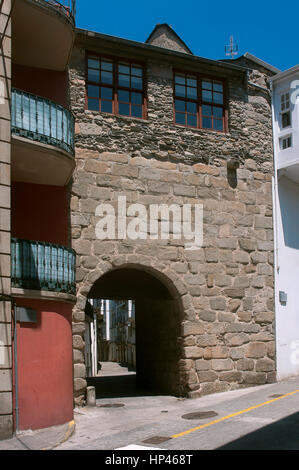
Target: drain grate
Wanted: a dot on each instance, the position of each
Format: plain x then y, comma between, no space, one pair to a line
277,395
200,415
111,405
156,440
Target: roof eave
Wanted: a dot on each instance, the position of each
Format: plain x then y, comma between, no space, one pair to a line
159,50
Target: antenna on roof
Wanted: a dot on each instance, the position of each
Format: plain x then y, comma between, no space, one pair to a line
232,49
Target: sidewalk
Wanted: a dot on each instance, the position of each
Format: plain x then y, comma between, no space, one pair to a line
42,439
259,417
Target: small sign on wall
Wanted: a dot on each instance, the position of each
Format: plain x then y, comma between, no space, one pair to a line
283,297
26,315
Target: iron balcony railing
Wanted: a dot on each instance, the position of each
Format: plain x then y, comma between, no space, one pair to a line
42,120
42,266
66,7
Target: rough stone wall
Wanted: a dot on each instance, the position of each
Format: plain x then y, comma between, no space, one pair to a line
164,37
6,423
226,287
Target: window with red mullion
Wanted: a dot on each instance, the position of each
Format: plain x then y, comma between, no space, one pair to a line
130,89
199,102
186,100
212,105
100,84
115,86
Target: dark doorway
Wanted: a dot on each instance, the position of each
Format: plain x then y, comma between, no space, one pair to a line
156,334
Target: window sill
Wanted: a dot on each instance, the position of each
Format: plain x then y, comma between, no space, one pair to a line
116,116
198,130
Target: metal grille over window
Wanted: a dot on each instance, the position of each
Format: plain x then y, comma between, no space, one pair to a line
42,120
42,266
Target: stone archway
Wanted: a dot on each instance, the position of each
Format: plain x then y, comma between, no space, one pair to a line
162,305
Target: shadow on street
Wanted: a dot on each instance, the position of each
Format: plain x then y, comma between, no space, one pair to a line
281,435
119,386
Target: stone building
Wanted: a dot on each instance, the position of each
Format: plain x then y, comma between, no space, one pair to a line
6,421
159,125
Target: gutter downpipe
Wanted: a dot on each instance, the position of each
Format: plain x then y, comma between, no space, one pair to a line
16,368
275,229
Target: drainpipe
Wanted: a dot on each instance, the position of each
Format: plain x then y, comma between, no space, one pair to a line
9,298
16,367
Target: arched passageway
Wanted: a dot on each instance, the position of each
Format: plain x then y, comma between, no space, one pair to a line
157,325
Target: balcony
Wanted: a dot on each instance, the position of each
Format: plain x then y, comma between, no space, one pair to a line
43,140
41,266
44,32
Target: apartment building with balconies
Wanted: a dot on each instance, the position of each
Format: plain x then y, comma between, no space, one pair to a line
38,266
285,111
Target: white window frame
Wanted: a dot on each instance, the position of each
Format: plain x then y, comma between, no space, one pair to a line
282,139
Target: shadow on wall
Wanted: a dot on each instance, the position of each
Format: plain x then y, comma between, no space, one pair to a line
288,194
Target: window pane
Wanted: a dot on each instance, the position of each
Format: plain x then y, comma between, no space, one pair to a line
191,107
179,105
93,75
191,81
106,77
180,91
207,110
106,106
136,82
207,85
136,71
192,93
123,68
180,79
218,98
123,96
124,109
217,112
93,105
106,93
180,118
217,86
136,111
93,91
207,95
94,63
207,123
124,80
191,120
106,66
136,98
286,119
218,124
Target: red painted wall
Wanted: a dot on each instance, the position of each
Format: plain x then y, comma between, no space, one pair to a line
46,83
39,212
45,365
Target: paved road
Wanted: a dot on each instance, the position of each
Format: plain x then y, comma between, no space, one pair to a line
261,418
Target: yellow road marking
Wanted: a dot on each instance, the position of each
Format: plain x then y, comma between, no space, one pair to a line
215,421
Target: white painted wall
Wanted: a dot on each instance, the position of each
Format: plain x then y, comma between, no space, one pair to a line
291,155
287,277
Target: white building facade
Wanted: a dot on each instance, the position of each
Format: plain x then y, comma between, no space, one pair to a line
285,111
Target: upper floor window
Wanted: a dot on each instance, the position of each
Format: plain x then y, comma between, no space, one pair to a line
115,86
285,110
199,102
285,142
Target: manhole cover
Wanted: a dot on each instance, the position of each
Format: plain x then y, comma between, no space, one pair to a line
277,395
200,415
156,440
112,405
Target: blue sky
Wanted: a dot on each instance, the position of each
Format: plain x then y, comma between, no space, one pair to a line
259,27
